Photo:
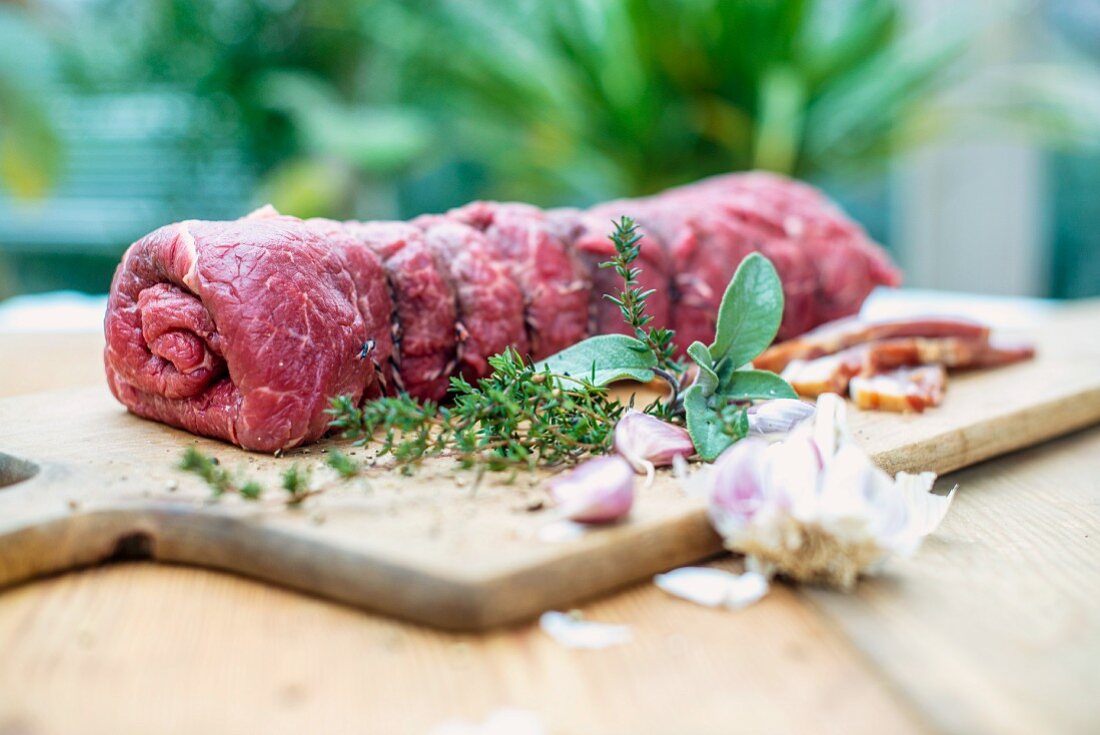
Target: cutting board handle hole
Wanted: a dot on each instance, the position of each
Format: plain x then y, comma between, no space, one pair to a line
14,470
134,546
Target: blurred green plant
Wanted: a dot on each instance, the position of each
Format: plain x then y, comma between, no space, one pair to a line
30,152
590,98
334,101
295,84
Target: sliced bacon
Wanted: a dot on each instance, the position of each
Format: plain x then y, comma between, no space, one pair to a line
961,353
828,374
835,336
903,390
833,373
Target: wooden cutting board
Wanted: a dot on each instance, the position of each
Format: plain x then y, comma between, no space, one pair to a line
82,481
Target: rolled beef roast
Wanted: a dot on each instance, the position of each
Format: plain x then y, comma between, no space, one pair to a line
245,330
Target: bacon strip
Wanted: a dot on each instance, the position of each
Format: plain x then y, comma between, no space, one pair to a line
834,373
831,338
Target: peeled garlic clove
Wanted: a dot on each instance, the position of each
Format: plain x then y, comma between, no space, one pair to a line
713,587
600,490
647,442
574,631
778,416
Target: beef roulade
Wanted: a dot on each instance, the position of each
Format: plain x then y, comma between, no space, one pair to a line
245,330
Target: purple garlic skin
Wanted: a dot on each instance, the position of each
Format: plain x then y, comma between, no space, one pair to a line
737,485
647,442
600,490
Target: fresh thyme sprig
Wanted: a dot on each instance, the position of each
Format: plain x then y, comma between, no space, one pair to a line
296,481
219,479
631,299
519,415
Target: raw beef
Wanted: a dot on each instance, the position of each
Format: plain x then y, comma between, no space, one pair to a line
555,285
424,316
238,330
489,302
245,330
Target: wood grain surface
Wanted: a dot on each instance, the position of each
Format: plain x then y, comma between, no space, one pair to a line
139,647
435,547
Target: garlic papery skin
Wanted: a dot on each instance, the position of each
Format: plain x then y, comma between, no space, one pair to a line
647,442
814,507
600,490
714,587
778,417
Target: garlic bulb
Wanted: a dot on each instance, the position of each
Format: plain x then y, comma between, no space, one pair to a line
814,507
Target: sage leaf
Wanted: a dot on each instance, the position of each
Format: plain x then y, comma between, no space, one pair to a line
707,379
742,385
704,424
605,359
750,313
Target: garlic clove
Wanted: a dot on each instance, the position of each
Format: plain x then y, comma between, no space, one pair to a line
830,425
574,631
647,442
600,490
792,474
713,587
736,485
778,417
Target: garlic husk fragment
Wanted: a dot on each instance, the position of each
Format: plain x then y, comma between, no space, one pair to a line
778,417
714,587
647,442
573,631
600,490
814,507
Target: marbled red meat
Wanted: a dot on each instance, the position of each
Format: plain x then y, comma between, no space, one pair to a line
425,312
245,330
239,330
488,301
555,284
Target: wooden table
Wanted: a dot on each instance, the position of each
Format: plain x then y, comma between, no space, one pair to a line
994,627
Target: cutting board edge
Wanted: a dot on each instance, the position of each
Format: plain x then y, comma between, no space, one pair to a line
981,441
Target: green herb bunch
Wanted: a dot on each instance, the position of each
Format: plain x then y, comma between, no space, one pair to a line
521,414
712,398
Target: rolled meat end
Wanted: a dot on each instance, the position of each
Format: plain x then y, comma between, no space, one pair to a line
238,330
424,311
555,284
489,302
